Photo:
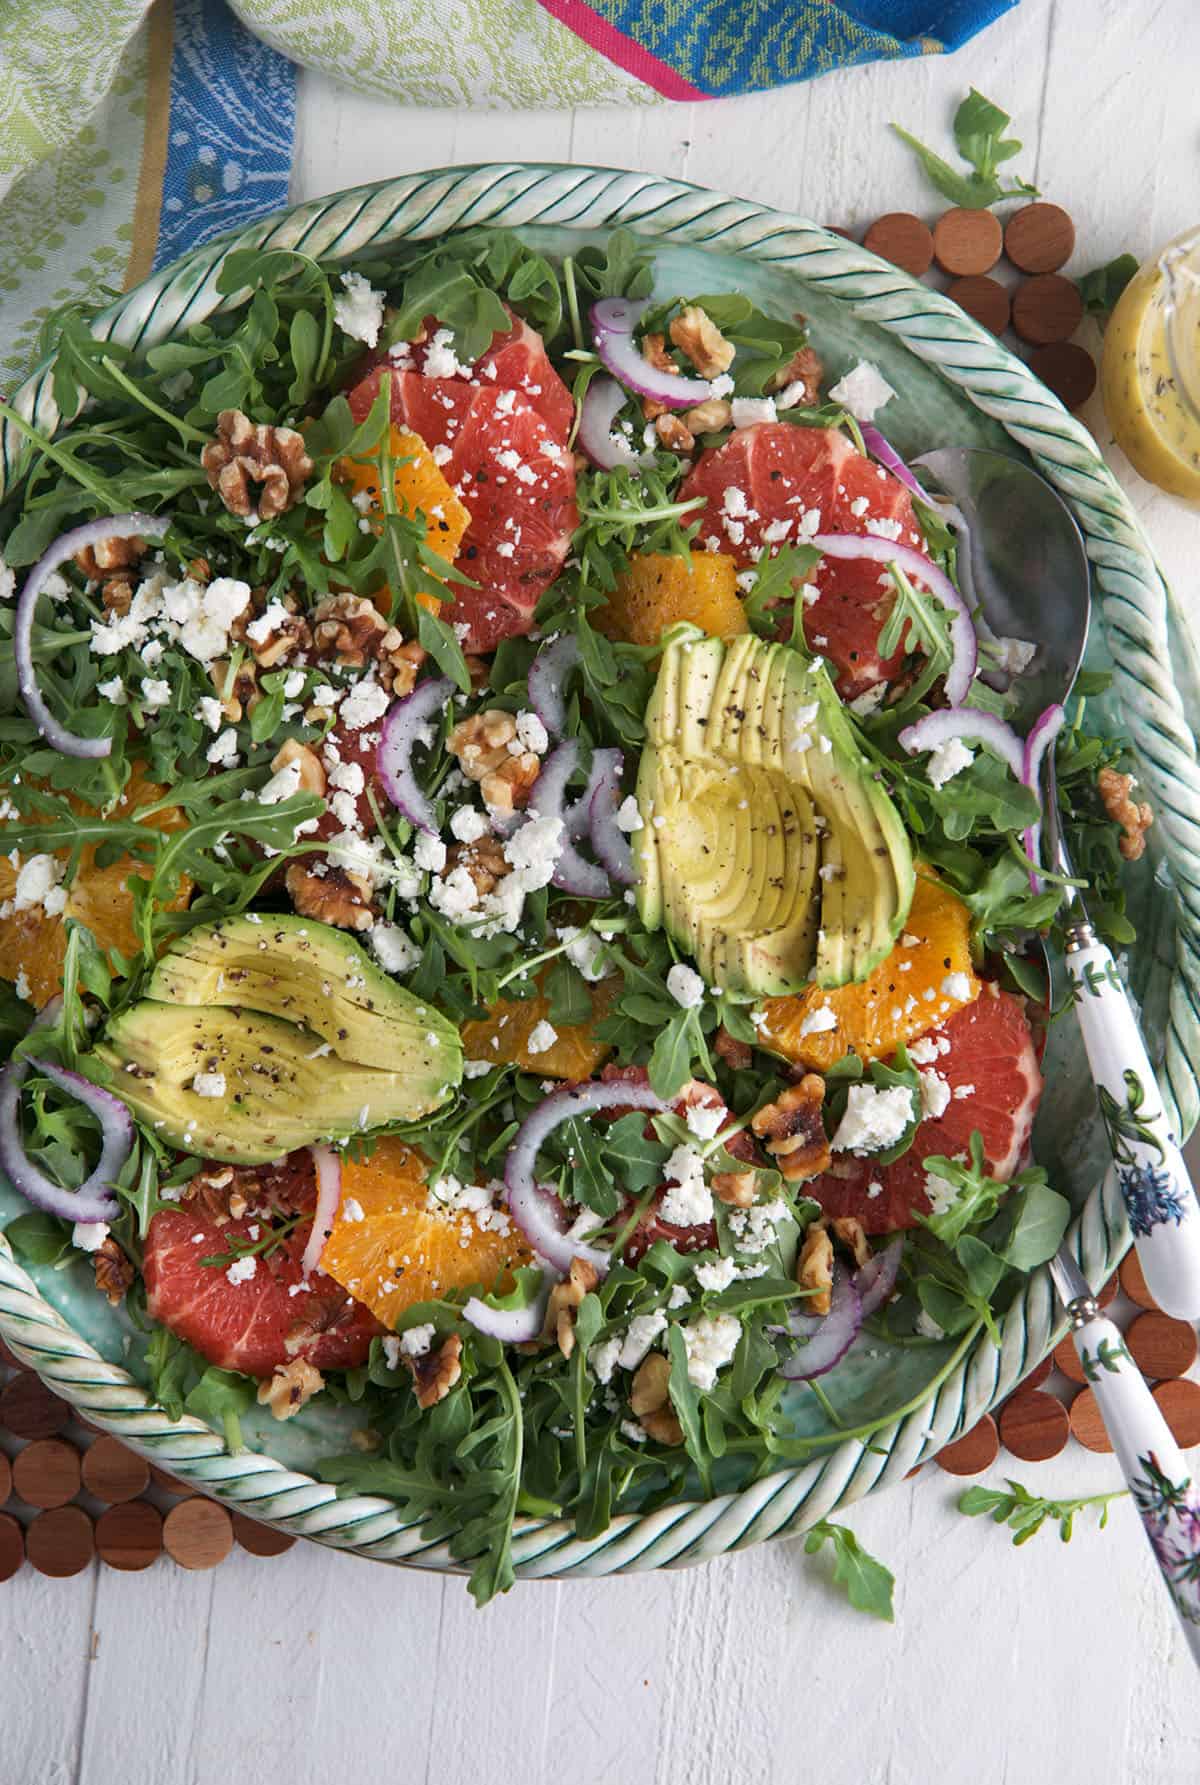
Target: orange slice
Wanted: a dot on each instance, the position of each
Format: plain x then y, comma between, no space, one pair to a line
925,979
389,1248
503,1036
33,944
661,588
419,486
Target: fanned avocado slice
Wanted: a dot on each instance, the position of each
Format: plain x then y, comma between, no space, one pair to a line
768,849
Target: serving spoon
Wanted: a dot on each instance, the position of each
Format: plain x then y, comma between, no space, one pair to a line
1027,573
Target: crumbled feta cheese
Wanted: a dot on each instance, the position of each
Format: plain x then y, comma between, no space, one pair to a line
358,309
685,986
583,949
468,824
864,391
365,703
417,1340
155,694
873,1119
935,1094
282,784
642,1331
456,895
208,711
716,1276
242,1269
38,881
923,1051
603,1358
441,361
8,582
429,852
940,1192
542,1036
948,760
1013,655
957,985
704,1120
869,701
393,948
711,1342
224,749
928,1327
688,1201
476,1068
351,1209
533,851
391,1351
89,1236
209,1084
113,691
531,735
629,819
818,1021
749,410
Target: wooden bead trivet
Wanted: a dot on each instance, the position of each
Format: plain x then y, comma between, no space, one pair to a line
983,299
198,1533
1046,308
1034,1425
1133,1283
1039,238
129,1536
12,1546
1067,369
974,1452
967,242
904,240
46,1473
60,1542
1179,1404
1086,1424
1066,1359
1161,1347
29,1410
260,1539
113,1473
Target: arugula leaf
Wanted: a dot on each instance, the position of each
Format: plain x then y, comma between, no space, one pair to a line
979,128
171,1363
39,1238
1041,1218
977,1195
868,1584
1025,1513
220,1398
1101,288
637,1160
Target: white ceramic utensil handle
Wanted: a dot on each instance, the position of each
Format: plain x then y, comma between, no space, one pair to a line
1159,1198
1166,1497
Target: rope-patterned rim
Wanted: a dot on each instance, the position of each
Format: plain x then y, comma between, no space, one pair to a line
1133,611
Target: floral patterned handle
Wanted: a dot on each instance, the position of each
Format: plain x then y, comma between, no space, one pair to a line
1166,1497
1159,1198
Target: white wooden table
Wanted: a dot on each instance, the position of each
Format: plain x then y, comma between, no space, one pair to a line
1049,1663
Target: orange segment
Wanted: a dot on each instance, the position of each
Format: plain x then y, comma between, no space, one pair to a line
419,486
389,1249
903,997
503,1036
33,944
661,588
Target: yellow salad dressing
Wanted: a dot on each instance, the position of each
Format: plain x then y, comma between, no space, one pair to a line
1150,372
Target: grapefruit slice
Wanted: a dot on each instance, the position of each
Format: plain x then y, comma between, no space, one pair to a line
516,480
516,360
274,1315
986,1055
811,480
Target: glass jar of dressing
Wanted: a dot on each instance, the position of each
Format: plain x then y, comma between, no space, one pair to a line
1150,371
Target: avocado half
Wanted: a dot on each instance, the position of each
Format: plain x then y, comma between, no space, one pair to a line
768,849
312,1040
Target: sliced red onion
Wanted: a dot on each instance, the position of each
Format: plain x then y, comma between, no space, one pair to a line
829,1336
1042,734
613,323
606,764
597,435
573,873
328,1165
971,727
890,459
918,568
91,1202
512,1326
547,679
538,1212
93,533
876,1279
611,844
393,756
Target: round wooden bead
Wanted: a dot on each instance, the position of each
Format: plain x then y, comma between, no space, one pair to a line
1039,238
1046,308
1086,1423
198,1533
1161,1347
1133,1282
12,1546
5,1478
1066,1359
260,1539
966,242
904,240
1068,370
975,1451
1033,1425
130,1536
60,1542
983,299
30,1410
46,1472
1107,1291
1037,1375
113,1472
1179,1404
170,1484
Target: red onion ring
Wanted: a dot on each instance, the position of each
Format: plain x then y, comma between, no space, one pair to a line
613,323
963,643
606,762
876,1279
890,459
829,1336
547,678
116,526
538,1212
90,1202
512,1326
393,754
613,848
1042,734
971,727
328,1165
572,872
597,438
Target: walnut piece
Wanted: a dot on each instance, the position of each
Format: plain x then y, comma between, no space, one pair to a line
291,1387
114,1271
674,434
347,630
849,1230
565,1298
282,641
1134,817
312,772
709,417
814,1268
212,1191
736,1188
116,592
509,786
654,352
435,1373
805,369
244,454
482,745
697,335
484,861
338,896
737,1055
649,1397
792,1131
399,660
243,697
98,561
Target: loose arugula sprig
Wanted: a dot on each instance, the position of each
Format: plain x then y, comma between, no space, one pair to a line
868,1585
979,128
1101,288
1025,1513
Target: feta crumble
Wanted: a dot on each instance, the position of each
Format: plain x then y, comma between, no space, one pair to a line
948,760
209,1084
863,391
688,1201
711,1342
358,309
873,1119
685,986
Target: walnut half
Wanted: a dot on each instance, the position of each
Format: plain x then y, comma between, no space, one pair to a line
1134,817
291,1387
114,1271
565,1298
246,453
337,896
793,1132
436,1371
650,1398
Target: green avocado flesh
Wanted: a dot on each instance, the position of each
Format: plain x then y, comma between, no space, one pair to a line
773,860
312,1041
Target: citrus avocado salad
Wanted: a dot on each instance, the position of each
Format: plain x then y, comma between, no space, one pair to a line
517,880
